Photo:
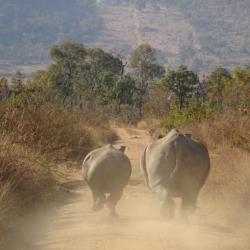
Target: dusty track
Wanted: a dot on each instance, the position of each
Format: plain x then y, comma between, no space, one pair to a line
72,226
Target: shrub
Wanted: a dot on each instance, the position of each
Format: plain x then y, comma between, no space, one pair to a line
176,118
34,139
228,129
23,176
49,129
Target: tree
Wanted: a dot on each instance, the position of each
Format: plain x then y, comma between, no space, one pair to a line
217,82
106,87
126,91
122,91
146,70
77,70
103,61
236,93
17,82
121,54
98,62
68,57
182,83
158,103
41,87
4,88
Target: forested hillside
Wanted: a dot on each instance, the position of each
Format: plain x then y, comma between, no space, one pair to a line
200,34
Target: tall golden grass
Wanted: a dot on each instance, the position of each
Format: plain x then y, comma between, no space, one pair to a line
35,141
23,175
227,190
53,131
228,129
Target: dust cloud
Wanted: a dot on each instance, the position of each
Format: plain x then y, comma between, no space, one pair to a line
139,227
220,222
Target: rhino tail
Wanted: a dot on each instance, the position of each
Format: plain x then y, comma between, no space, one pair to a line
85,166
144,168
87,157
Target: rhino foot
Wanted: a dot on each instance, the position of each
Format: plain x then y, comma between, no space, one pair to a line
113,215
167,210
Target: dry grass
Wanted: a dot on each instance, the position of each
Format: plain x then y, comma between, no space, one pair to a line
35,143
53,131
227,191
227,129
153,127
228,188
48,129
23,176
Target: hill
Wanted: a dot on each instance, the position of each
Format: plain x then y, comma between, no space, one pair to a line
200,34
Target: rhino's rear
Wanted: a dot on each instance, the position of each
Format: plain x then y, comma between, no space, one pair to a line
176,163
107,169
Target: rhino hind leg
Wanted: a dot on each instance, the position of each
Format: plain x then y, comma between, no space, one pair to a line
98,200
112,201
167,203
188,206
168,209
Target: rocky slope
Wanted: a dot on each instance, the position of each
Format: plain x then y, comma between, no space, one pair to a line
201,34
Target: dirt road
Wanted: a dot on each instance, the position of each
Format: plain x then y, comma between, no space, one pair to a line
72,225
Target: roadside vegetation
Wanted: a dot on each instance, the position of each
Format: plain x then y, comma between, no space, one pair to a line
55,117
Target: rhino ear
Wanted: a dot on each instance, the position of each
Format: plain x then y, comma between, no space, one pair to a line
160,136
122,149
189,135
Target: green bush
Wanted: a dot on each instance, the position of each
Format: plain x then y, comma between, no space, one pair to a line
179,117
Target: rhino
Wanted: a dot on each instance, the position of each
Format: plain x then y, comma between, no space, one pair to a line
176,166
106,171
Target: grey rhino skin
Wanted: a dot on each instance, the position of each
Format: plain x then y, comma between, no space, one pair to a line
106,171
176,166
